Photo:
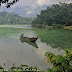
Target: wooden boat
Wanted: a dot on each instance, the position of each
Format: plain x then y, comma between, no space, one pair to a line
28,39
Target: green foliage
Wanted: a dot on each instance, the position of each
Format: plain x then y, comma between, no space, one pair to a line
60,63
33,68
67,51
24,65
1,67
50,28
13,68
21,68
59,14
13,18
57,26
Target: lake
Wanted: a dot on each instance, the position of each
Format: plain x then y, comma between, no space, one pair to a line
13,51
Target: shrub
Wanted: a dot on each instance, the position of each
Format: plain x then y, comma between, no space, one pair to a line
61,63
57,26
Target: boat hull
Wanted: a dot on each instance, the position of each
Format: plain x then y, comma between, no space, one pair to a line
28,39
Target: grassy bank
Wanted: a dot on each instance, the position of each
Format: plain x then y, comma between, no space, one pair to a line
56,38
68,27
58,27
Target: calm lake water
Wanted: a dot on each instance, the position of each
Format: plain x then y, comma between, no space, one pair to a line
13,51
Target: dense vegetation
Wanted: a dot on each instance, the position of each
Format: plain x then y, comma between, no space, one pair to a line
57,14
61,63
13,18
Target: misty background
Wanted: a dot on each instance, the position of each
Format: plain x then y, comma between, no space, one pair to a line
29,8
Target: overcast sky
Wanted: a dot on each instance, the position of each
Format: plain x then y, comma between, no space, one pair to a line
34,3
39,2
21,6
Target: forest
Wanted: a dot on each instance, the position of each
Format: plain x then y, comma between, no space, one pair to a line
13,18
57,14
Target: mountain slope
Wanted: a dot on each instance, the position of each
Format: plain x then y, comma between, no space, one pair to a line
13,18
26,11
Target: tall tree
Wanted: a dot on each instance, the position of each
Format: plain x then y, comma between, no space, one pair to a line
59,14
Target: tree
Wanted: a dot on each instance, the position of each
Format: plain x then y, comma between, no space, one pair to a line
56,14
61,63
8,2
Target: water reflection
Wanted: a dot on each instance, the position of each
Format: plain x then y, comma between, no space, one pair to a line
12,51
30,43
43,48
16,26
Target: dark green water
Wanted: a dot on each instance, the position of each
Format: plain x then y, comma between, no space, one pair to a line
59,39
13,51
